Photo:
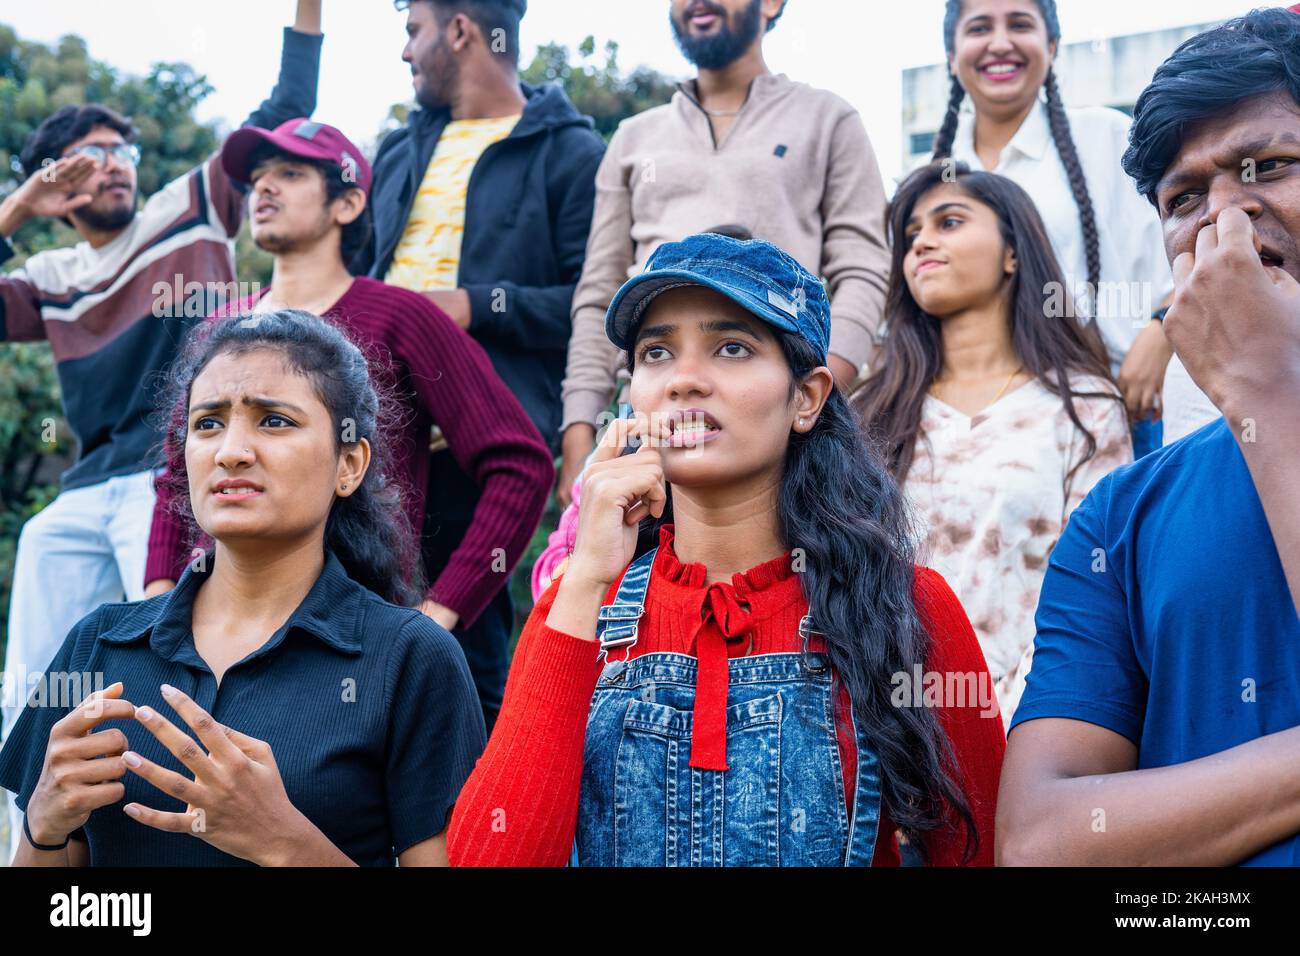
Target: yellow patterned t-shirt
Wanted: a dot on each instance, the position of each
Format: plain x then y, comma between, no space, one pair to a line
428,254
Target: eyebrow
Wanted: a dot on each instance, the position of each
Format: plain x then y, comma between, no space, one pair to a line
940,208
260,401
1177,180
708,326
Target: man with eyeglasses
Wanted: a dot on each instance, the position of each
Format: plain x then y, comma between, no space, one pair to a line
110,310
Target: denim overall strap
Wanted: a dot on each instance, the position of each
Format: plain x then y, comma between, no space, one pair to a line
864,822
616,626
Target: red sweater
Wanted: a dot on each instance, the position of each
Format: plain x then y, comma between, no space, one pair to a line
442,376
529,775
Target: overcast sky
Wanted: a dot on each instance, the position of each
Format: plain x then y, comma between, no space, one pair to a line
857,48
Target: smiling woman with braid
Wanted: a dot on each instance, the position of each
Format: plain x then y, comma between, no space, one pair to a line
1108,241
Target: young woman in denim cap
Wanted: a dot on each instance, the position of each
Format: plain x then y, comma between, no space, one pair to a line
750,689
995,416
273,708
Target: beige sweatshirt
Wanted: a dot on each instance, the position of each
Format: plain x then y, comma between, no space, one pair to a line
795,169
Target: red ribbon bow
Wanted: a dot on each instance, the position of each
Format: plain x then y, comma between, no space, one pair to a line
724,621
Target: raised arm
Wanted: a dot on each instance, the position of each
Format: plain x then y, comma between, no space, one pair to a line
51,192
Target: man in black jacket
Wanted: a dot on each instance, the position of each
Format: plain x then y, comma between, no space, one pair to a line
483,202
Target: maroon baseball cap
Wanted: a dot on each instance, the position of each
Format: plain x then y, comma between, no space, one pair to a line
299,137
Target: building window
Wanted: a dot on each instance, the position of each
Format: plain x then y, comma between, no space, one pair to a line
923,142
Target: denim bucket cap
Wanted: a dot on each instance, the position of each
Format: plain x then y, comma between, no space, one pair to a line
754,274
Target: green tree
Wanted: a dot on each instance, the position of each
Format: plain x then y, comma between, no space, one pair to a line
599,89
35,80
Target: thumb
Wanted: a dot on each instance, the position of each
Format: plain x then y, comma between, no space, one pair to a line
77,201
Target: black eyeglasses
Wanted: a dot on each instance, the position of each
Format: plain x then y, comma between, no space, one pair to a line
126,153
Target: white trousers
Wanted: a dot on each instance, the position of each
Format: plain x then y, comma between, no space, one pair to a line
85,548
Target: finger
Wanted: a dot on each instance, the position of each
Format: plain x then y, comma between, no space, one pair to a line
201,722
102,743
614,440
1131,399
180,744
73,169
1236,231
101,795
102,705
94,771
170,822
1207,240
1183,266
168,781
251,747
1148,404
76,202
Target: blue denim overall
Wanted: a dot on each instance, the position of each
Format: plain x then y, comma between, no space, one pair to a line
780,803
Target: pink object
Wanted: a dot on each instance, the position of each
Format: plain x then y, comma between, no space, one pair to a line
558,546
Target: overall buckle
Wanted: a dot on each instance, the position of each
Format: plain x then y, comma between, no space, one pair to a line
621,626
815,662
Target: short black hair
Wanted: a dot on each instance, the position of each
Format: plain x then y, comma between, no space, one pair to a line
490,15
356,233
67,125
1208,75
771,23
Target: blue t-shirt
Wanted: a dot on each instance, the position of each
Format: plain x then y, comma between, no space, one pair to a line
1165,614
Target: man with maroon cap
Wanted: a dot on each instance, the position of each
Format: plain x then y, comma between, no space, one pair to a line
308,207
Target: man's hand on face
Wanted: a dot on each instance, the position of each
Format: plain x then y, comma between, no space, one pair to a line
52,191
455,302
1235,322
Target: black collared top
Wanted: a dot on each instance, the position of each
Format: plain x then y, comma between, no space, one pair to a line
368,707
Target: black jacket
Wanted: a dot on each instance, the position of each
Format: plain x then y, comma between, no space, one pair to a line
527,216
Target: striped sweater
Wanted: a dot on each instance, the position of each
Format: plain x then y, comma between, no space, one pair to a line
112,315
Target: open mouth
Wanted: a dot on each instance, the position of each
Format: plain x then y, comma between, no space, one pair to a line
701,18
1002,70
1270,260
265,210
238,490
692,427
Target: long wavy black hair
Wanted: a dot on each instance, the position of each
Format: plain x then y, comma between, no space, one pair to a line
1054,348
838,503
368,530
1057,121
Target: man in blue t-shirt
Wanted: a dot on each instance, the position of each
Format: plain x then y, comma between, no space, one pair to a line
1161,720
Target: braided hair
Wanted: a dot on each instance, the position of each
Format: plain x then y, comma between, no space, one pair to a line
1057,121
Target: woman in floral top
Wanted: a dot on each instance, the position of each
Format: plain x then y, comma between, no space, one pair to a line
993,406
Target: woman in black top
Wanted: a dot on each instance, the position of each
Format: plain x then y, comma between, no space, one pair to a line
333,726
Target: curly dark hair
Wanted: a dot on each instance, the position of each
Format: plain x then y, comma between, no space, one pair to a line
369,530
67,125
1207,75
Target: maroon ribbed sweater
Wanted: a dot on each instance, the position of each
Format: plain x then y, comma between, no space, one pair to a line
444,377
